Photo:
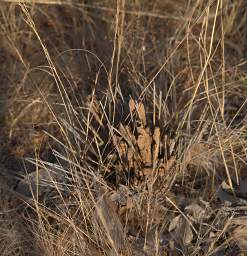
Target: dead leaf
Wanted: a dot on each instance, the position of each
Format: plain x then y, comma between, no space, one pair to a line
239,233
156,138
106,214
115,140
144,143
142,113
175,223
122,148
181,229
127,135
132,105
196,211
131,157
187,233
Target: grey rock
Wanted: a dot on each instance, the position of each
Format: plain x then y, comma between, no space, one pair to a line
42,181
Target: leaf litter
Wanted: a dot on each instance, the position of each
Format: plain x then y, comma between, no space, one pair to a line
151,155
143,152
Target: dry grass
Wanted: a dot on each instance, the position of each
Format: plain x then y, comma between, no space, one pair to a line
123,127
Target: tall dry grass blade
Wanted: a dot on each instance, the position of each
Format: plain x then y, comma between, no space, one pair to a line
39,1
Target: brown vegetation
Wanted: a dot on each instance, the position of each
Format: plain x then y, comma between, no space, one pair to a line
123,127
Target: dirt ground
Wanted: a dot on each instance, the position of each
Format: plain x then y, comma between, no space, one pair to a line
123,128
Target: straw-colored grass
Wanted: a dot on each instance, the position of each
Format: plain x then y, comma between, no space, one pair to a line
39,1
123,127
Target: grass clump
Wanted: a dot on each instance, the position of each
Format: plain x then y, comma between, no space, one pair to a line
123,127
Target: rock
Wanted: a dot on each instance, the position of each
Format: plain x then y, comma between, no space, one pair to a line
42,181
